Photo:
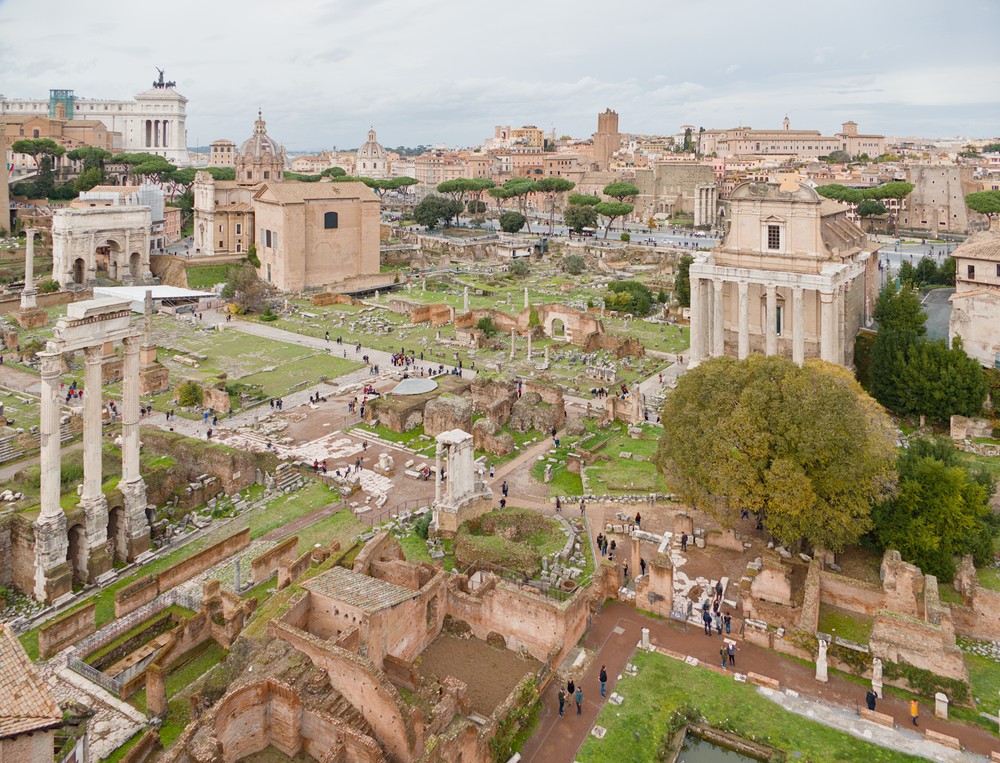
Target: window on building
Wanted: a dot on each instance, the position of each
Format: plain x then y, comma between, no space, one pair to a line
239,228
220,229
779,317
239,247
998,271
274,239
269,272
220,245
972,271
267,238
774,237
330,220
267,174
249,175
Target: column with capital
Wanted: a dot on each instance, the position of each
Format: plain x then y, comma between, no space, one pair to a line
798,326
771,321
132,486
744,320
29,291
92,500
697,346
718,329
828,325
52,574
841,307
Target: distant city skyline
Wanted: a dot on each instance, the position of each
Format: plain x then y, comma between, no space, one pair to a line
446,72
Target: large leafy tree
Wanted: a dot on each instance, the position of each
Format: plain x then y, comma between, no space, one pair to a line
611,211
432,209
984,202
941,510
552,187
805,447
511,222
519,189
91,156
620,190
580,216
583,200
37,148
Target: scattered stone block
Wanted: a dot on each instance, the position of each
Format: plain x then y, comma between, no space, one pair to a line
882,719
942,739
599,731
616,698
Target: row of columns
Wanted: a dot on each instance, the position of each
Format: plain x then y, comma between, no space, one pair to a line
158,133
708,320
51,532
706,200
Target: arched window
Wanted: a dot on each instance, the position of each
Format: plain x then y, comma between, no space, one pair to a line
329,220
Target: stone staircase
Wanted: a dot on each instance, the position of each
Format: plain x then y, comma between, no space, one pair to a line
9,451
350,715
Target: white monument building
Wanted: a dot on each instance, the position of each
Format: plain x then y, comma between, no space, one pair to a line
113,241
154,122
372,160
793,277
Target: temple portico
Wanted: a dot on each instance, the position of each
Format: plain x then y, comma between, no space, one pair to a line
794,277
81,550
463,494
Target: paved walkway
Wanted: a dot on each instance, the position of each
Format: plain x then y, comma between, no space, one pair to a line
617,629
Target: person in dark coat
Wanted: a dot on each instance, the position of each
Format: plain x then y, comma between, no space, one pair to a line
604,679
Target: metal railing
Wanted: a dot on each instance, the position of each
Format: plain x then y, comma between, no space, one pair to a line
107,683
519,578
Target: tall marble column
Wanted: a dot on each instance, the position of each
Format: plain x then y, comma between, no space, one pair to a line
828,326
744,320
465,300
51,448
798,326
771,321
718,329
92,500
841,307
53,575
437,475
29,291
697,346
132,485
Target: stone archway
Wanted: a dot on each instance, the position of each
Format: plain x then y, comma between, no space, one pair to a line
79,271
558,330
135,266
77,553
99,235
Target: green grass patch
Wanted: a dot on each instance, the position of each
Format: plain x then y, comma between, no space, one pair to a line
206,276
341,526
285,508
120,753
989,577
664,684
984,675
848,625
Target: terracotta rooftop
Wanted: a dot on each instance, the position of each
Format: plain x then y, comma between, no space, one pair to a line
294,192
26,704
984,245
356,590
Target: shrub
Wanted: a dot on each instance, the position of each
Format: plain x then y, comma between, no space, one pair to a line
268,315
573,264
487,326
190,394
422,526
252,257
625,237
512,222
48,286
519,268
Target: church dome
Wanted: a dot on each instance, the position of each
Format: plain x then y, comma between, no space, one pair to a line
260,145
371,149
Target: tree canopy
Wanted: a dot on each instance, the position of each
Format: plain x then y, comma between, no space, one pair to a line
629,297
37,147
940,511
583,200
611,211
621,190
580,216
433,209
552,187
984,202
682,282
511,222
804,447
893,190
573,264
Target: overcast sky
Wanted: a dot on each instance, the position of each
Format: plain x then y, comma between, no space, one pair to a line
447,71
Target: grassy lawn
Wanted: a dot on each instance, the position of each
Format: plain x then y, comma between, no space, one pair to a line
342,526
984,675
664,684
989,577
848,625
206,276
301,372
408,439
285,508
624,475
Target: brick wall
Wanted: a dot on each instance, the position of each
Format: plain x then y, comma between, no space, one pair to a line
850,594
898,638
66,630
809,617
291,571
364,686
145,749
134,595
266,565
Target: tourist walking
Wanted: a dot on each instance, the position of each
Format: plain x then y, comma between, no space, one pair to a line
731,652
570,687
558,504
870,698
503,488
491,471
684,541
562,701
727,620
914,711
579,700
706,618
638,519
642,567
583,507
722,654
604,679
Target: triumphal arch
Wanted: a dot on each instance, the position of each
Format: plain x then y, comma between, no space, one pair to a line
110,242
73,546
